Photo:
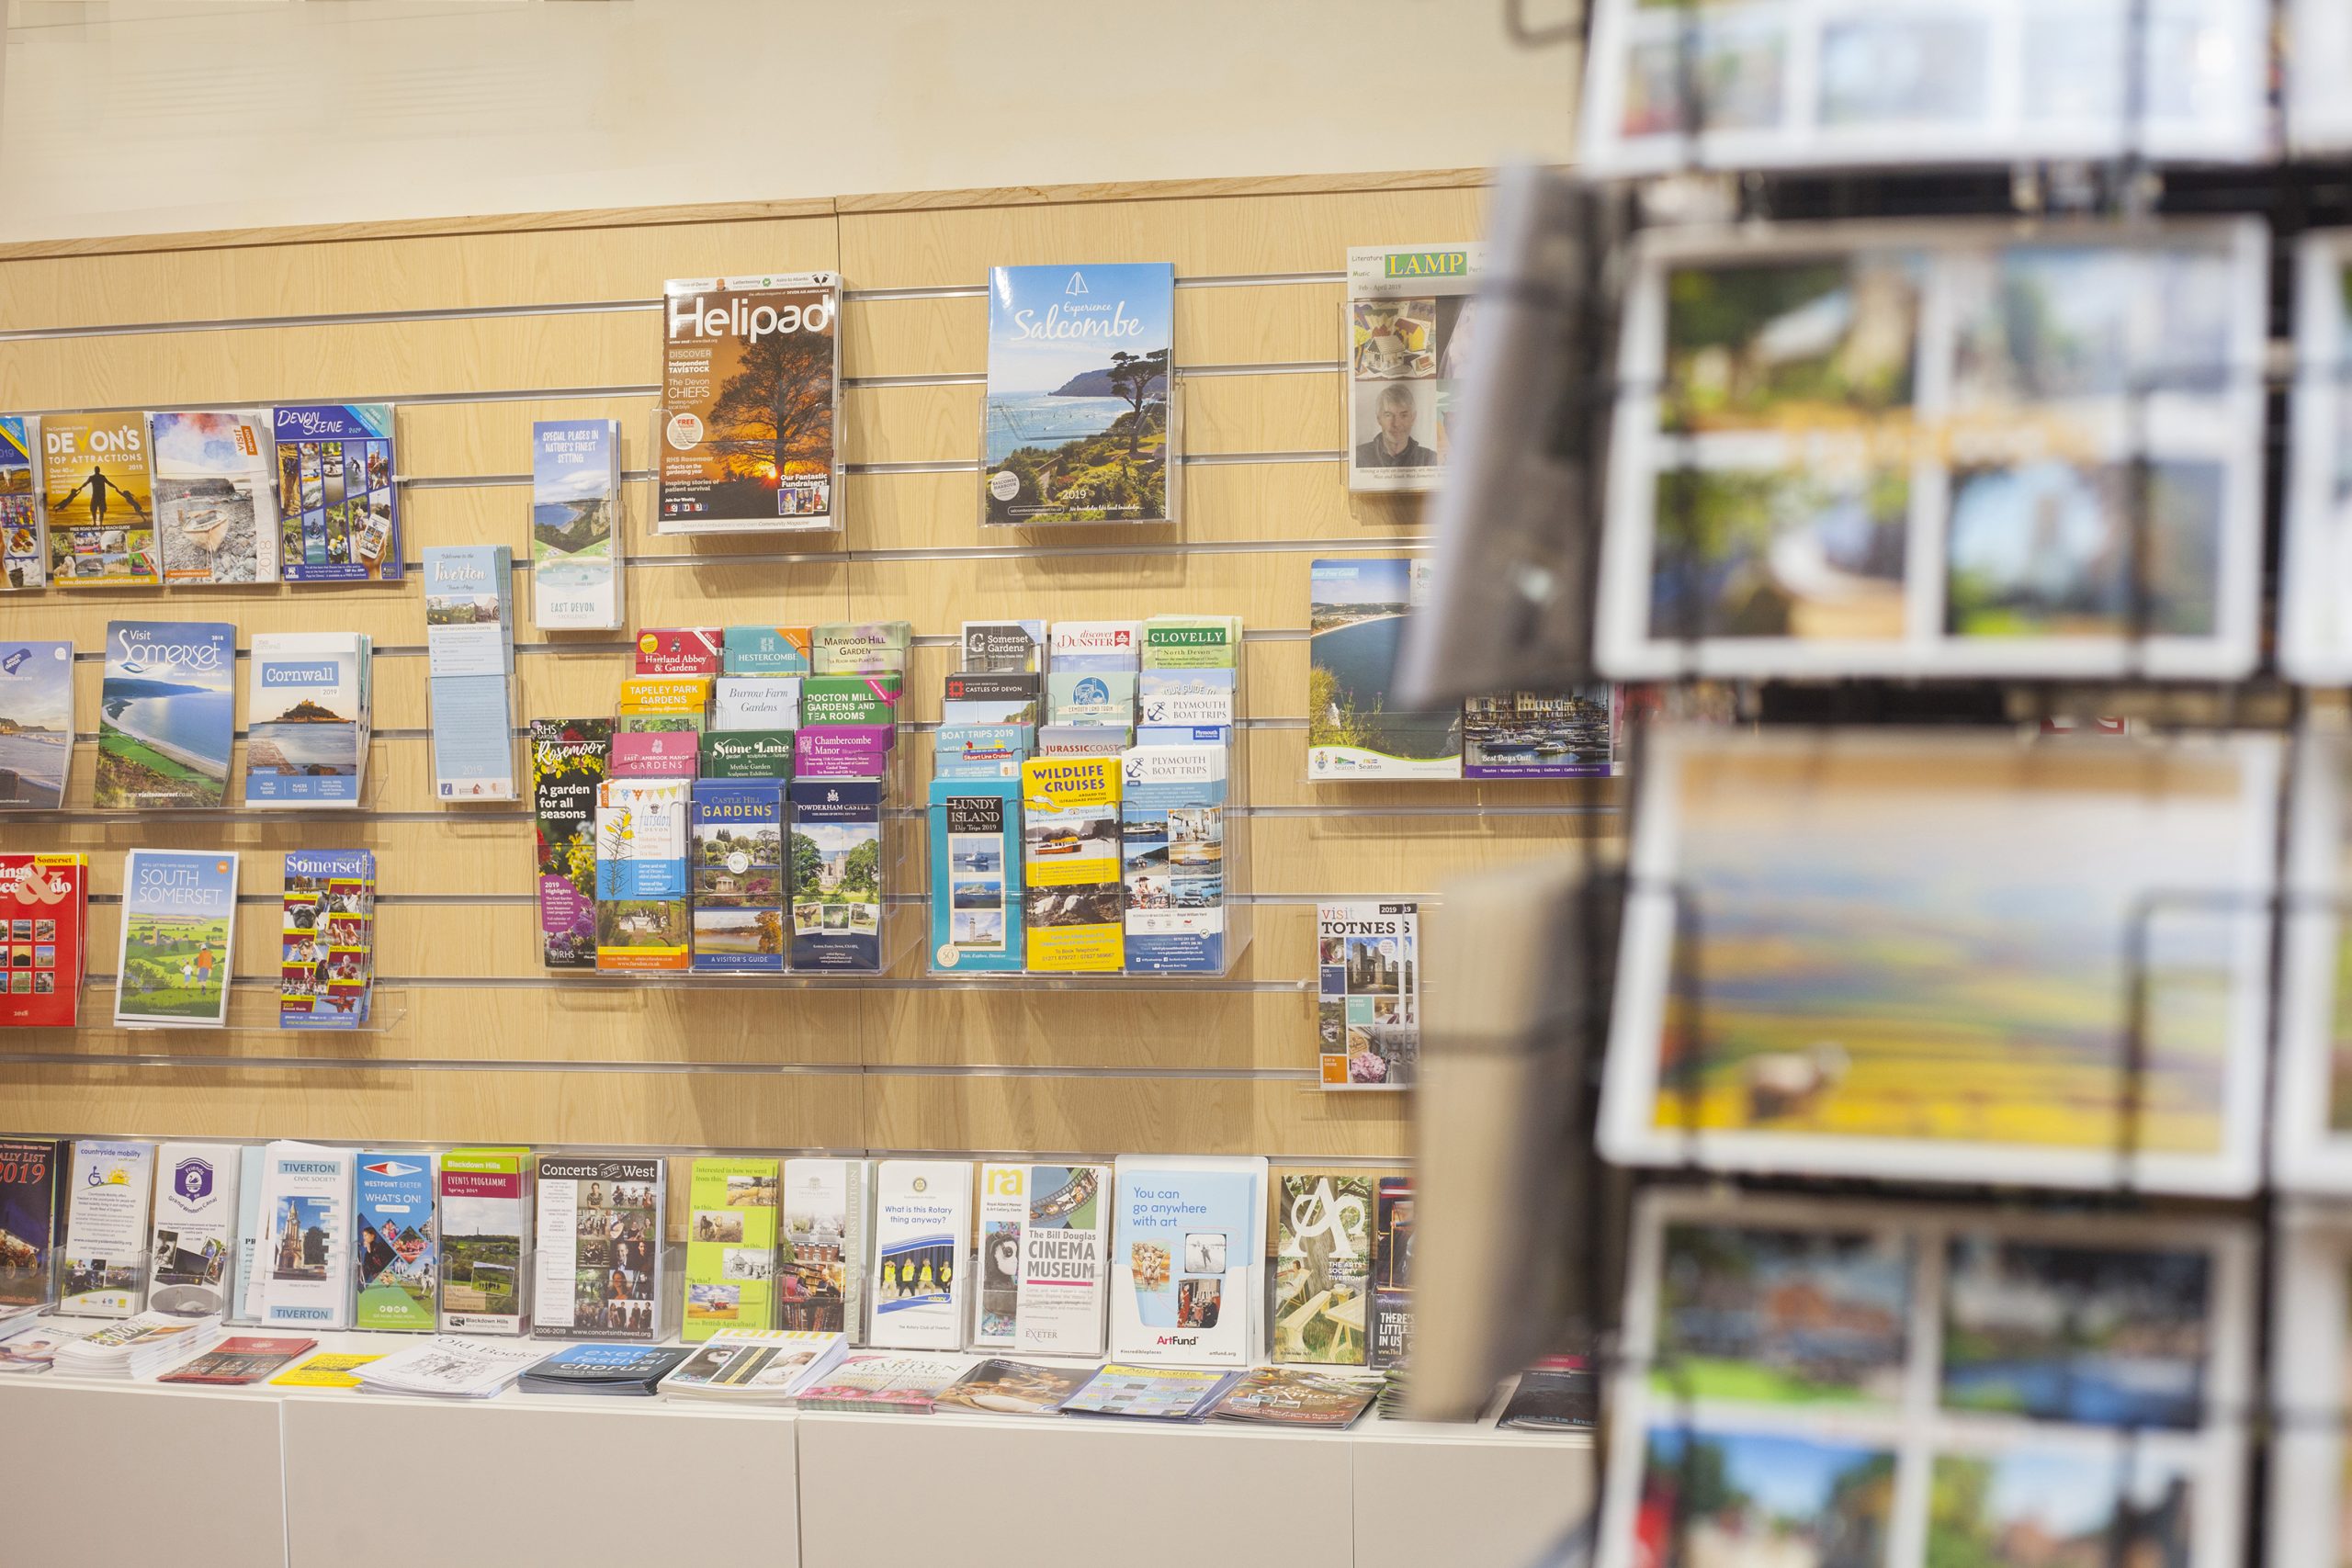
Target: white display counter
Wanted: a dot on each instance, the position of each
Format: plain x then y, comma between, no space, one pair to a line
333,1479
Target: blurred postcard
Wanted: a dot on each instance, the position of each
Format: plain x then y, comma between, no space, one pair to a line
2067,1390
2315,588
2311,1483
1783,84
1913,954
2311,1122
1904,449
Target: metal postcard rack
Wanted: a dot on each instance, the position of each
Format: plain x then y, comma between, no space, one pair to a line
2126,190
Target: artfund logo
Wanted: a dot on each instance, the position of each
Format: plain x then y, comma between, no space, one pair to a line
192,1181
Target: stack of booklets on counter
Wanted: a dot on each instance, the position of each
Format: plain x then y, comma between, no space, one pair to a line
755,1366
905,1385
446,1367
1558,1393
33,1349
1293,1396
998,1387
627,1370
1150,1393
247,1359
137,1346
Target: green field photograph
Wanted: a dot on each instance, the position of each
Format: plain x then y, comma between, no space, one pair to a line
1781,1316
176,965
1926,939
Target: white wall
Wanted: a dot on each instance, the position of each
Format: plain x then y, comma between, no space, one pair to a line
148,116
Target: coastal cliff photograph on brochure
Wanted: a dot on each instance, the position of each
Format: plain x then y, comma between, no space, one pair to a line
1081,410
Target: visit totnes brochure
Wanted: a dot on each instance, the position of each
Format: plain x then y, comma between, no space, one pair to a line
600,1243
96,496
1368,993
751,376
922,1216
1187,1274
194,1243
1410,333
216,502
1355,728
486,1215
1082,412
576,577
731,1246
1044,1243
36,724
1323,1267
338,509
179,926
396,1250
23,554
166,714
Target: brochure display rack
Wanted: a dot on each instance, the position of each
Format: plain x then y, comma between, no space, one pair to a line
1813,476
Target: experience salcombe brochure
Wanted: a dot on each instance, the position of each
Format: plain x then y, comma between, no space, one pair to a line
1082,414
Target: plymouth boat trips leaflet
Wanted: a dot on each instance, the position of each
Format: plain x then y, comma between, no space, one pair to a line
166,714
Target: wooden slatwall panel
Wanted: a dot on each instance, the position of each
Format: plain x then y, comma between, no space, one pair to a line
479,330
